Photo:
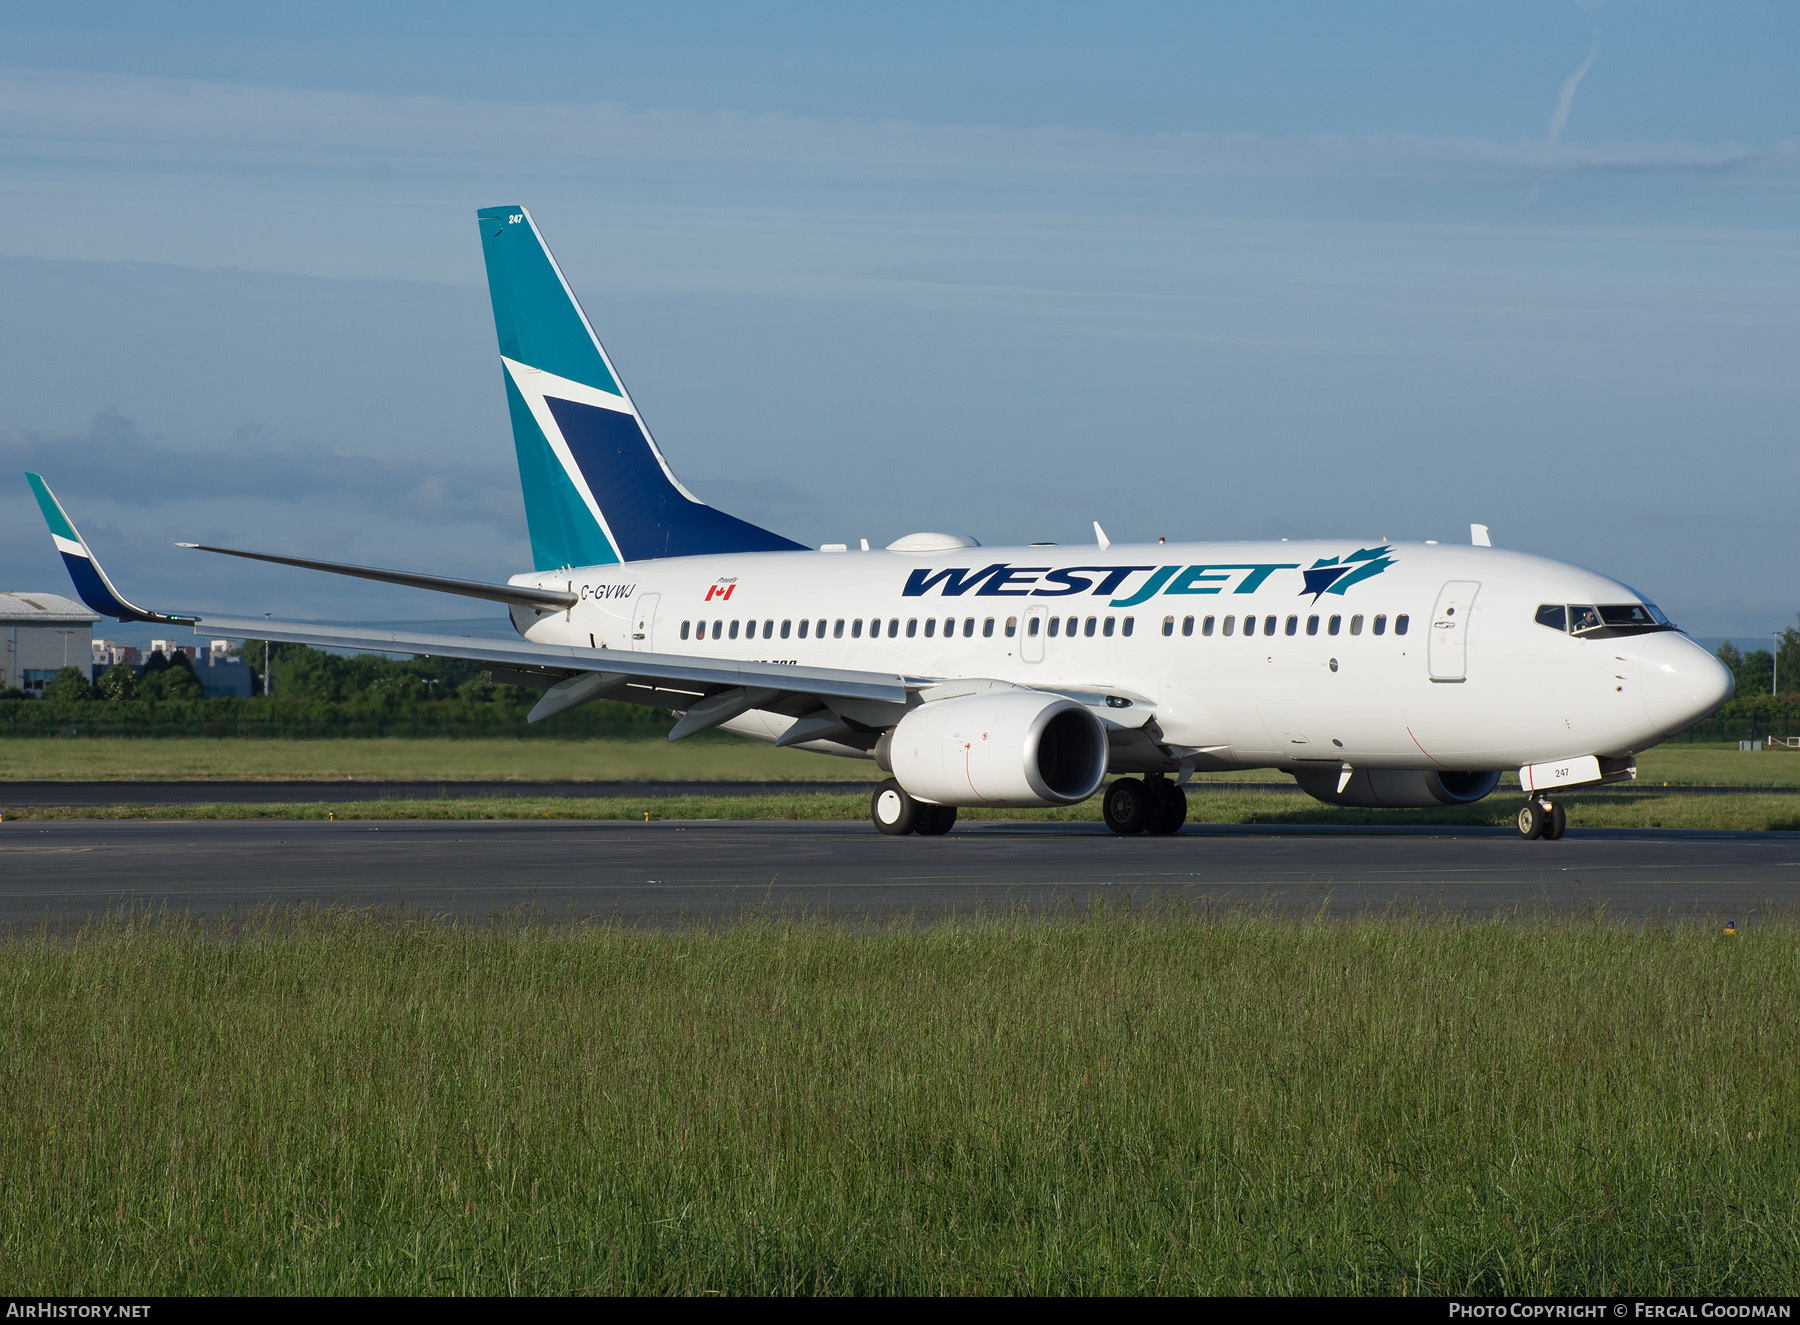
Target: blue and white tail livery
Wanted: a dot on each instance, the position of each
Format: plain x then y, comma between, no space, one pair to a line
1400,674
597,489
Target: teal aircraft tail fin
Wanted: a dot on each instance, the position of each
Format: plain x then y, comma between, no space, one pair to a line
597,489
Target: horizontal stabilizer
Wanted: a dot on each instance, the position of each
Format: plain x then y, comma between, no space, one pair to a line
515,594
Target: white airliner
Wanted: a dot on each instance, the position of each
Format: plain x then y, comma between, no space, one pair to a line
1376,673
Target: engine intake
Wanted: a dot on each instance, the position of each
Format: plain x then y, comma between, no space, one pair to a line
1396,788
1009,748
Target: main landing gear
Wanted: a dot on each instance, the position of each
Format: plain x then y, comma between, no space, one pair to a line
1542,818
1148,805
897,814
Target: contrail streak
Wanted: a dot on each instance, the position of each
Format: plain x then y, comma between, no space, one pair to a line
1567,97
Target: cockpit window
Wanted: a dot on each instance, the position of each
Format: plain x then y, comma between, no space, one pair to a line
1628,614
1603,620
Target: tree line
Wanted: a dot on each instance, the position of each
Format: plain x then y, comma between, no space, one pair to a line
314,692
1764,672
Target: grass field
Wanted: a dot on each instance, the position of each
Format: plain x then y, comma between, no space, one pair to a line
397,759
353,1103
720,758
1743,813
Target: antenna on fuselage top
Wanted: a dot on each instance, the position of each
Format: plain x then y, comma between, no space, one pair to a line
1478,536
1100,537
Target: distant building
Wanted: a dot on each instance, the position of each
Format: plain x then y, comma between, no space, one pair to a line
221,671
40,634
111,653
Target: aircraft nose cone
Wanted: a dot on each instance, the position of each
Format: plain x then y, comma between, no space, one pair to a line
1682,681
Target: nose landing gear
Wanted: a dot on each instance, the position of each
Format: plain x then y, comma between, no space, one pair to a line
1543,819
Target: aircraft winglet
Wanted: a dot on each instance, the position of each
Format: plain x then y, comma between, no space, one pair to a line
91,581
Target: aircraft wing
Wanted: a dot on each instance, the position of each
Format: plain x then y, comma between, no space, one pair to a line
706,691
573,675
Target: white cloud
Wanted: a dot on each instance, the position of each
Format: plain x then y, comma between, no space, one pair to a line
97,118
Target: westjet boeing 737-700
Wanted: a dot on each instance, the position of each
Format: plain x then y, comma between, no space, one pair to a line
1376,673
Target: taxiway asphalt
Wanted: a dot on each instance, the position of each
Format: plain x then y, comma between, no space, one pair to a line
33,795
671,871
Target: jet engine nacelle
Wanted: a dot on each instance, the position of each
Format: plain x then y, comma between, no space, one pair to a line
1010,747
1395,788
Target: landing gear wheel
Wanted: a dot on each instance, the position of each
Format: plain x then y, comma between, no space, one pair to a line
1558,821
1129,806
894,812
1171,807
935,820
1532,820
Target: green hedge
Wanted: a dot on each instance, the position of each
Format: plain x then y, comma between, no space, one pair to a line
317,720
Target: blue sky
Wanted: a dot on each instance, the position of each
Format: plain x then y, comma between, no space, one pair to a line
1192,271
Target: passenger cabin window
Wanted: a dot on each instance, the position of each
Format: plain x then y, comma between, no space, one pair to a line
718,630
1069,626
1012,626
819,630
1206,626
856,628
1401,622
1553,615
1089,629
1031,626
1293,625
803,626
837,631
1125,625
1229,622
949,626
1169,624
1249,626
684,629
734,630
1106,628
930,627
894,628
969,628
1268,625
987,628
1381,623
1331,626
786,626
1312,625
1055,626
912,627
1356,624
769,628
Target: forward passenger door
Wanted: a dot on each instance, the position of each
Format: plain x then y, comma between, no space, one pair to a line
1446,650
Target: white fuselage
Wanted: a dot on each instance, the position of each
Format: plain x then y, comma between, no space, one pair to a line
1460,674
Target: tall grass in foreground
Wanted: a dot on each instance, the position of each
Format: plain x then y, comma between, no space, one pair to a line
357,1103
